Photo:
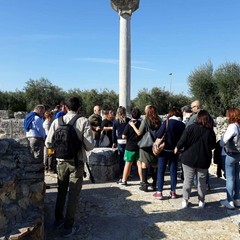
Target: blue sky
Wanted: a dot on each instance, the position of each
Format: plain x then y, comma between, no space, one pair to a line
75,43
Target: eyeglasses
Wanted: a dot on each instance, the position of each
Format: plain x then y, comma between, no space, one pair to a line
193,107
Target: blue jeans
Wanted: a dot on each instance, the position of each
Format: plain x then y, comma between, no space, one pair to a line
231,168
164,159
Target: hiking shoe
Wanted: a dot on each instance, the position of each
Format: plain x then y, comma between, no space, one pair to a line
184,203
173,195
158,195
68,232
236,202
58,223
121,182
201,204
228,205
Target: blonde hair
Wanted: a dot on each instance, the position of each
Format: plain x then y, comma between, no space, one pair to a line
121,114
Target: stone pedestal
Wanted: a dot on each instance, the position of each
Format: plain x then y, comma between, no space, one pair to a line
103,163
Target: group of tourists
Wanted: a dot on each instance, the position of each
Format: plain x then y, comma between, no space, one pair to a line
189,140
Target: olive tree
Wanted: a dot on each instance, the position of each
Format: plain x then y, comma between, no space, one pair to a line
42,91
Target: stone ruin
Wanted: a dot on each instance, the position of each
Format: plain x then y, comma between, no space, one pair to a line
21,192
22,187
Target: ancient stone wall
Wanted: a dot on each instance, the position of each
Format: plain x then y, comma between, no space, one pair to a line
22,185
21,192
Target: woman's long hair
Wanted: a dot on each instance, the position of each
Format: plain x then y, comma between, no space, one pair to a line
152,115
204,119
121,114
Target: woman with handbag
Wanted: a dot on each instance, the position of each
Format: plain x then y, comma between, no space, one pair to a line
231,158
173,128
149,125
197,140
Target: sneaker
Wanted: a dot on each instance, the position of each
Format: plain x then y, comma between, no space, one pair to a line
121,182
158,195
201,204
228,205
184,203
173,195
67,232
58,223
236,202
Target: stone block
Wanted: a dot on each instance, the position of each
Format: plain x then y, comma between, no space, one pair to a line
20,115
4,114
103,163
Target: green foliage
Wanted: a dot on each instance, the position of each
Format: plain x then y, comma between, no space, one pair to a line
4,100
13,101
179,100
159,98
74,93
217,90
227,80
42,92
90,99
109,100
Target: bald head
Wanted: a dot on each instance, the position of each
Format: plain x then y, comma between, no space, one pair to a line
196,106
97,110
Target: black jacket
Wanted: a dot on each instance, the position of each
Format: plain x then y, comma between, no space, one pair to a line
198,143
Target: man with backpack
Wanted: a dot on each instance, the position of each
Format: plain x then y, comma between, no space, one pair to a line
70,136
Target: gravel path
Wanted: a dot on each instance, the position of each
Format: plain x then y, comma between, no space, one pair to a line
109,211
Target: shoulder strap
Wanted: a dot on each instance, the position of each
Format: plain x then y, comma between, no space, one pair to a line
74,119
237,129
166,125
60,121
147,127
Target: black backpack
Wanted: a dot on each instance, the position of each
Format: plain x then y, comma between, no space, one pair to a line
66,143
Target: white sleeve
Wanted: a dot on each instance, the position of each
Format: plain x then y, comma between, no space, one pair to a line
231,131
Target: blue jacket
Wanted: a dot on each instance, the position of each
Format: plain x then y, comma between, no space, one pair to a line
174,132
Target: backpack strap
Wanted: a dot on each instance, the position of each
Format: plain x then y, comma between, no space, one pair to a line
71,122
74,119
237,129
60,121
